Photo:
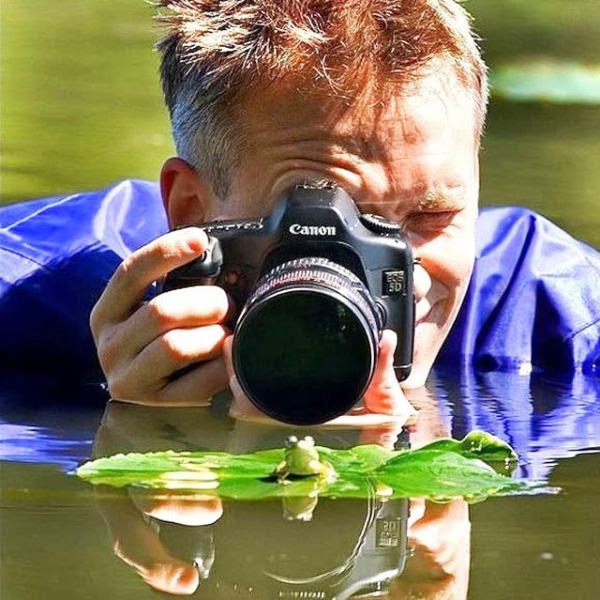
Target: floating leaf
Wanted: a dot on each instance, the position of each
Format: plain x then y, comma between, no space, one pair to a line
441,471
481,445
443,476
548,81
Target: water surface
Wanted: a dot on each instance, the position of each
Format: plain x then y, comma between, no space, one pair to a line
59,533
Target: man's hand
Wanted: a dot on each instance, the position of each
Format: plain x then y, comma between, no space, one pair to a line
143,346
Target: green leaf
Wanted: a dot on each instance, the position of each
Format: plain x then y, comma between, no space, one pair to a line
481,445
121,470
441,471
443,476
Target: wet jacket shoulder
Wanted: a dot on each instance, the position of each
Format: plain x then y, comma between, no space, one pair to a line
56,256
534,299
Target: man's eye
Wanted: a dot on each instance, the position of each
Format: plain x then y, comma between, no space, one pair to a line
430,222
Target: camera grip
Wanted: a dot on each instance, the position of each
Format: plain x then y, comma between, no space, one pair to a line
203,270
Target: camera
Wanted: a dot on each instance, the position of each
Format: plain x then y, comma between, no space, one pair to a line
316,283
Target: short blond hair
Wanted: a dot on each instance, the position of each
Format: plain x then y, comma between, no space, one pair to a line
216,51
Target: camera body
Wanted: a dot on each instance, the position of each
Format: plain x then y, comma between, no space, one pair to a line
318,233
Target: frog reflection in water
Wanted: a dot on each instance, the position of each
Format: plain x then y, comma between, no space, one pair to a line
301,459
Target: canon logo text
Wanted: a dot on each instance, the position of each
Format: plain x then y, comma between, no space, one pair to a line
320,230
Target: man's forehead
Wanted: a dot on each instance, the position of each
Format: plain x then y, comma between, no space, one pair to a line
363,124
412,145
375,93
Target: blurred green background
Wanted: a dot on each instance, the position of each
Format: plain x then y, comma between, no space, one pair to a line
81,106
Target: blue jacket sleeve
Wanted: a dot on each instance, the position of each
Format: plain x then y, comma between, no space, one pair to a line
56,256
534,299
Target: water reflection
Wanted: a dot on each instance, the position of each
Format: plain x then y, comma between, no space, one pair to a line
190,543
543,418
546,543
248,550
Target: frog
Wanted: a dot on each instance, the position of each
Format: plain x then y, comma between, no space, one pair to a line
301,459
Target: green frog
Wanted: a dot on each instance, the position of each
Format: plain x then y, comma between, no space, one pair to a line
301,459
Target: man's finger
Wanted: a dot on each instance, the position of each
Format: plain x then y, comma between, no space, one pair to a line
195,387
384,394
128,285
177,309
170,353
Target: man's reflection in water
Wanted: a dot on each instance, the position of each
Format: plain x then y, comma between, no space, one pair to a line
195,543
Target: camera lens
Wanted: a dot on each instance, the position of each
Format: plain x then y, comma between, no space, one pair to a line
306,342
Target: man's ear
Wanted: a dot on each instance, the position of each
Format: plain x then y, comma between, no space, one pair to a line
186,195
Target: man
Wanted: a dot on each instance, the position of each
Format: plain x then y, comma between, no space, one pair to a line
383,98
386,100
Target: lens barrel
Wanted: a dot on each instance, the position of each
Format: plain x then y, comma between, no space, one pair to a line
306,342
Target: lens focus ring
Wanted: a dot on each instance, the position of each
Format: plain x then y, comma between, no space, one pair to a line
319,271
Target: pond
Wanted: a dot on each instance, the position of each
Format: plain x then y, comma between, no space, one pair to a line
61,536
80,109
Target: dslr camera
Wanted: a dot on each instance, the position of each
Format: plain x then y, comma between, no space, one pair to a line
316,283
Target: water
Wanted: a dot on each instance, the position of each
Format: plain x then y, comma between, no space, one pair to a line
59,533
81,108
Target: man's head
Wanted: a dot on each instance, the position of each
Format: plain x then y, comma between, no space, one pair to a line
384,97
216,53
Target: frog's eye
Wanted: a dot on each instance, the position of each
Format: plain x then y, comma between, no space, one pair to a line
291,441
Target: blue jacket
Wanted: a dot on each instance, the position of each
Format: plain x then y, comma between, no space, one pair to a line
533,302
